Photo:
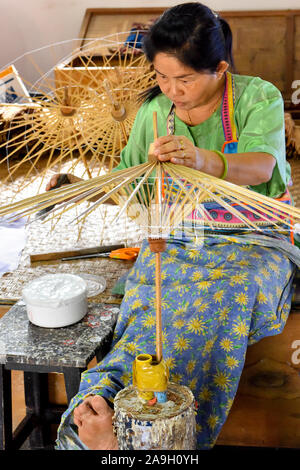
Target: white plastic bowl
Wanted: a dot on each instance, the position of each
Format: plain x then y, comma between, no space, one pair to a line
56,300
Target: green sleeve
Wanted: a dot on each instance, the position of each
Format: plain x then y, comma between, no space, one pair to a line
136,150
260,117
141,135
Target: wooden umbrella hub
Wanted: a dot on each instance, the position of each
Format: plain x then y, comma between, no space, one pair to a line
66,109
119,112
157,245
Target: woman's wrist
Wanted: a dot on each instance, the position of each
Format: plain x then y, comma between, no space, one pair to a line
199,159
73,179
225,164
212,162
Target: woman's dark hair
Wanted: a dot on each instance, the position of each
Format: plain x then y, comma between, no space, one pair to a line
194,34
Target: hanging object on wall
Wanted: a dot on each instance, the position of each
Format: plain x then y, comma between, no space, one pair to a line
12,88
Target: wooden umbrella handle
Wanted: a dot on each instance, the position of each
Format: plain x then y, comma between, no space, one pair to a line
158,306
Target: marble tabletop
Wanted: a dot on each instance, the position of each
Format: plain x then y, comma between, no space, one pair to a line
72,346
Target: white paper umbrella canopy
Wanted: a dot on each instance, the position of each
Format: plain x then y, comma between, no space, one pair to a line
81,110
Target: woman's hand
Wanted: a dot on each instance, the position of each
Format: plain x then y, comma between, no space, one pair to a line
54,180
93,417
180,150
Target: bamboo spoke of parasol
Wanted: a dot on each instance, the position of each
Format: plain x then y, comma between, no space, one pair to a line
246,195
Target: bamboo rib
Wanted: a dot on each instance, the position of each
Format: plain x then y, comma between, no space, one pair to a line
112,192
239,191
232,210
81,189
200,197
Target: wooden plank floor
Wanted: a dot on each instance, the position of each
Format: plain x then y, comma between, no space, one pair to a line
266,409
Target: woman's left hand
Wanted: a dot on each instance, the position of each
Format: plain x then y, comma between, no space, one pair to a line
178,149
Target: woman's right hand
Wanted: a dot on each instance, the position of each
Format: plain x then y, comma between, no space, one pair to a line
93,417
54,180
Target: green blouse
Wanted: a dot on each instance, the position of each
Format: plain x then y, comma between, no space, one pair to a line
259,119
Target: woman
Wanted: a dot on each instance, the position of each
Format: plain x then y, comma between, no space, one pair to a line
215,298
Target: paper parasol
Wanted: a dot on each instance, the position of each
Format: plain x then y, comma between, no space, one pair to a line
82,110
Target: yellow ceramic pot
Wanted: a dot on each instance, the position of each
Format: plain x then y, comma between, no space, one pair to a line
149,376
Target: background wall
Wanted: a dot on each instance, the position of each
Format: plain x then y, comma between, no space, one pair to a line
32,24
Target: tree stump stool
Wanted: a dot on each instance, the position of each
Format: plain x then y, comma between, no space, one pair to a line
164,426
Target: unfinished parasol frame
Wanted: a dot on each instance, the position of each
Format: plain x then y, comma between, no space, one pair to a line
82,114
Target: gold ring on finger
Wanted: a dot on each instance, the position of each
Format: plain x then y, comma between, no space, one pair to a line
181,144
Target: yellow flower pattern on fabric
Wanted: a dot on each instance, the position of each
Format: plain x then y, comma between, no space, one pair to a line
223,314
222,380
197,276
149,321
240,328
227,344
262,298
197,325
231,362
217,273
218,296
179,323
238,278
205,394
181,344
213,421
201,306
171,362
241,298
191,366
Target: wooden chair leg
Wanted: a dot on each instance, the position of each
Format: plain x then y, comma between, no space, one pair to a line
36,399
72,377
5,409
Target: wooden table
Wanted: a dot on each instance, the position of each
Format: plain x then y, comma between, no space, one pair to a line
38,351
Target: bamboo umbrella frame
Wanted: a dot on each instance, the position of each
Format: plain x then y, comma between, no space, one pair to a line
122,184
83,115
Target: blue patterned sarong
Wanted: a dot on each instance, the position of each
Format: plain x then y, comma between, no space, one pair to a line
217,298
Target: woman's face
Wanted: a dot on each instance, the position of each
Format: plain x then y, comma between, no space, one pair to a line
184,86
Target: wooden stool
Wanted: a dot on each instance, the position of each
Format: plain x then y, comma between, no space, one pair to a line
38,351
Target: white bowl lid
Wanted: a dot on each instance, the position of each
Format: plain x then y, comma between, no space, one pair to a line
55,290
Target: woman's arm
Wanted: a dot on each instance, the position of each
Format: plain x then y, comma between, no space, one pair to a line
251,168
